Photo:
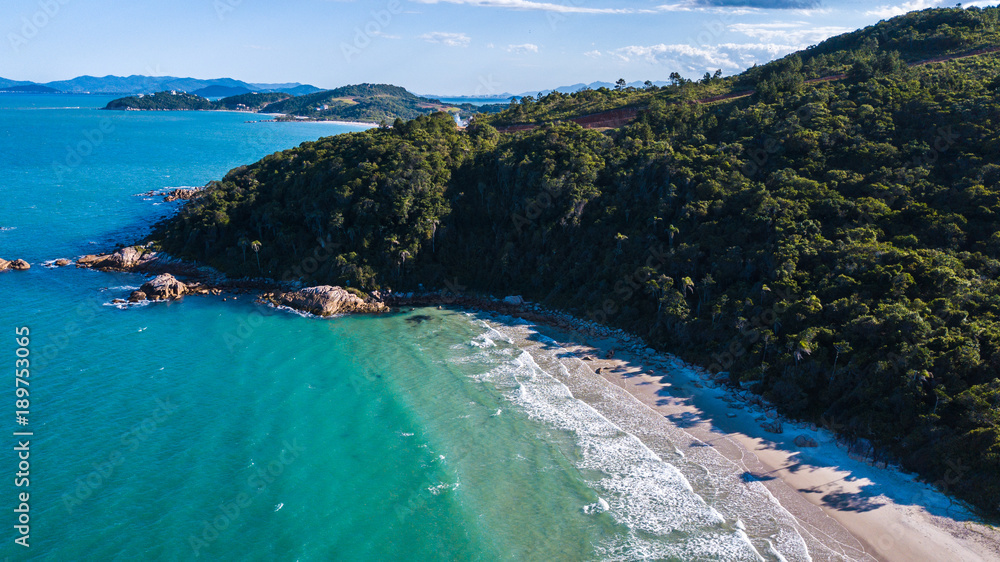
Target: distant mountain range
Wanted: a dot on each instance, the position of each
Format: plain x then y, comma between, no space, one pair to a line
217,87
561,89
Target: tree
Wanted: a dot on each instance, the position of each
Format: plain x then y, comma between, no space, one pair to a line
620,84
255,246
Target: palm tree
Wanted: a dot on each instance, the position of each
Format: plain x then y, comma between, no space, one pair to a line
434,229
255,246
402,256
620,238
243,243
671,232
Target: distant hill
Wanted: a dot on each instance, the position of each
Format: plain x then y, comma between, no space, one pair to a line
370,103
299,90
161,101
5,83
363,102
250,102
30,89
138,84
220,91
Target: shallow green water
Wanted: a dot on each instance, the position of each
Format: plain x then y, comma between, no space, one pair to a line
225,430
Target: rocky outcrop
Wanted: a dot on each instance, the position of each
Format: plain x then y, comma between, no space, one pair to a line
18,265
160,288
773,427
326,300
129,258
61,262
176,194
805,441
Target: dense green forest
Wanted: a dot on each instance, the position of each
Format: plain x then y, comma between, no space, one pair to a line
182,101
162,101
371,103
831,245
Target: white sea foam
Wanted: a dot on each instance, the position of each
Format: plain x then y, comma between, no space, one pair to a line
649,496
667,516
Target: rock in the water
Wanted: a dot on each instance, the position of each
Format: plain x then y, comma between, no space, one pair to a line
773,427
326,300
163,287
805,441
123,259
137,296
19,265
62,262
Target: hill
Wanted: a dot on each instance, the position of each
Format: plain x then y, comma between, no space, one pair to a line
162,101
216,91
370,103
30,89
821,230
137,84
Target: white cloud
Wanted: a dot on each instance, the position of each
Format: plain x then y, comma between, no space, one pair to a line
592,54
796,33
449,39
729,56
892,11
531,5
522,49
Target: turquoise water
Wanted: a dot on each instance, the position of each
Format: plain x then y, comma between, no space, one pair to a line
224,430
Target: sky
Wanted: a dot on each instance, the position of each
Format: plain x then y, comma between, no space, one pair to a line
439,47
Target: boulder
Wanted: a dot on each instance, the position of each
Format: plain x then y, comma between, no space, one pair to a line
183,193
773,427
515,300
137,296
19,265
326,300
163,287
62,262
123,259
805,441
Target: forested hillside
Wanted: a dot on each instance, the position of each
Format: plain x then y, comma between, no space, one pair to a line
832,245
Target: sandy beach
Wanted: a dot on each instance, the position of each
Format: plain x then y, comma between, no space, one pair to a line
849,508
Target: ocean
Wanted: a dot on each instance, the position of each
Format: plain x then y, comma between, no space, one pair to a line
215,428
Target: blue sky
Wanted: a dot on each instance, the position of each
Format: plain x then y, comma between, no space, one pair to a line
428,46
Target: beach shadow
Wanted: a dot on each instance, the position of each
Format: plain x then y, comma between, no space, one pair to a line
685,420
846,501
751,477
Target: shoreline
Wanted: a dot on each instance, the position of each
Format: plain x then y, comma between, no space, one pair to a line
863,511
847,506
